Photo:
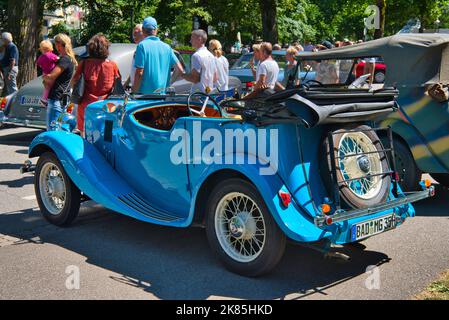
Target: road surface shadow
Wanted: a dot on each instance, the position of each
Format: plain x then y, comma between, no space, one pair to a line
15,138
10,166
18,183
174,263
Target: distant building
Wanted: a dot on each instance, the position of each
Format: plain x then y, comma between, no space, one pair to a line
71,16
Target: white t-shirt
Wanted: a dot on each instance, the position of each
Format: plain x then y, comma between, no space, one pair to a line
204,62
222,73
270,69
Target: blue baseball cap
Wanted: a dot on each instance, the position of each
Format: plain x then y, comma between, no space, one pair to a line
149,23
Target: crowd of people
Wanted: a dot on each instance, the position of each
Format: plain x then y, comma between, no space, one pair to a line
151,67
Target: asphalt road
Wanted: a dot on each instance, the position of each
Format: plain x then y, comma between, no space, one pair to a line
120,258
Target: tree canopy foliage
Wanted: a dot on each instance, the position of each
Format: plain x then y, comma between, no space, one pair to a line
312,20
282,21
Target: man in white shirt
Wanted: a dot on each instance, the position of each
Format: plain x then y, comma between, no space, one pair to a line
203,73
268,70
137,38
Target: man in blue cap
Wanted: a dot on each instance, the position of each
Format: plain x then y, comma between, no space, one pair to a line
153,61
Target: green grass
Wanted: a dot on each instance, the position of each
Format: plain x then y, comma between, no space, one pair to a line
438,290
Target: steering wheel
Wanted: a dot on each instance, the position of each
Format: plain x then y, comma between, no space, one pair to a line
313,81
202,112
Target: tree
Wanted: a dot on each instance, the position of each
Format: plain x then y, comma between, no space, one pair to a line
61,27
379,33
24,22
268,10
3,14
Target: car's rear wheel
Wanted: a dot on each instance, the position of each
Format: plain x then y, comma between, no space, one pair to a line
361,167
241,230
57,196
408,171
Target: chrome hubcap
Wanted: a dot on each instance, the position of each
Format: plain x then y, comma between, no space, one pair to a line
240,227
52,188
364,164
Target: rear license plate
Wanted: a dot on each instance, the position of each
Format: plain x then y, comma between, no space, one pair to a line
372,227
29,101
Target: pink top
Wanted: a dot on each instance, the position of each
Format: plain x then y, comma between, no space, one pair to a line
47,62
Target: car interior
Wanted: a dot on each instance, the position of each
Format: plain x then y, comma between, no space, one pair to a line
164,117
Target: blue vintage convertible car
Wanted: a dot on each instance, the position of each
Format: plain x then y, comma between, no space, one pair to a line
303,165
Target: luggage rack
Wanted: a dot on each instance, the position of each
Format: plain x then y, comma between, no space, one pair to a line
336,183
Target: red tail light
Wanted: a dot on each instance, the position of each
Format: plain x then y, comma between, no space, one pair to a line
286,198
3,103
249,84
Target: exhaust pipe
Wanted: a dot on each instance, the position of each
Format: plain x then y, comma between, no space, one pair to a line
27,167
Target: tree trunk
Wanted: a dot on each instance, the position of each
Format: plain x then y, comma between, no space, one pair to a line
379,33
269,23
24,22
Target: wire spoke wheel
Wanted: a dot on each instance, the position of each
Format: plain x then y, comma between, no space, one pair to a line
361,167
52,188
240,227
57,196
358,167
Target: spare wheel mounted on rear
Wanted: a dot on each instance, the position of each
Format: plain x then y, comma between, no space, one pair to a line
362,168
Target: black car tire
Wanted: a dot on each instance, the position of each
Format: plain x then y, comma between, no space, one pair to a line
71,205
275,240
348,198
408,171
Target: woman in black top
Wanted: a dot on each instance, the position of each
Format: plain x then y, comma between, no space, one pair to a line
60,76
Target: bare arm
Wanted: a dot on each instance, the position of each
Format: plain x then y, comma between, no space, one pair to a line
49,78
77,75
11,65
372,69
137,80
177,72
193,76
278,87
260,84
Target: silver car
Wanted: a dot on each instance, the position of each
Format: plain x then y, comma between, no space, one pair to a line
23,107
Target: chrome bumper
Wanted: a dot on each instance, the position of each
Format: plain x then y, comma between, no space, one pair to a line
342,216
22,122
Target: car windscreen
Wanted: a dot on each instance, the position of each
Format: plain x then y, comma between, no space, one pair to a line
341,71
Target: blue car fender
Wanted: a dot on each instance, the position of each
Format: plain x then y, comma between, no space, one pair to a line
292,220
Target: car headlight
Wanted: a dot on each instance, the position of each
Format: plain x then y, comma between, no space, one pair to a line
66,122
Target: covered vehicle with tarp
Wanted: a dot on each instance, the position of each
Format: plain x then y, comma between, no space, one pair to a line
418,66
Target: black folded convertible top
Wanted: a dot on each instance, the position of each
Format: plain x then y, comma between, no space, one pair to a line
316,106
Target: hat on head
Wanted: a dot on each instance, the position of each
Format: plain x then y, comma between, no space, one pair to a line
149,23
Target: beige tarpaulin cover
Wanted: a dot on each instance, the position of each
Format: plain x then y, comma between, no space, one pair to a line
411,59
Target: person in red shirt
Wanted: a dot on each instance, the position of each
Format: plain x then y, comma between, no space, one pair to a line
99,75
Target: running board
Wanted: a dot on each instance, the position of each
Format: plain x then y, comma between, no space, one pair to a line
138,203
